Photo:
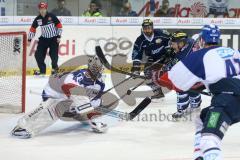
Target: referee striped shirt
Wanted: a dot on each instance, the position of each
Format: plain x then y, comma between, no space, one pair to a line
50,26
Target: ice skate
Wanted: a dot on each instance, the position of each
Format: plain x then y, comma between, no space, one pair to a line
21,133
99,127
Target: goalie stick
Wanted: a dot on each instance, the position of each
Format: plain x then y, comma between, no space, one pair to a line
115,113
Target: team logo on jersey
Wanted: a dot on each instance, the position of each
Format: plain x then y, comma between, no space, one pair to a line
39,21
16,45
158,41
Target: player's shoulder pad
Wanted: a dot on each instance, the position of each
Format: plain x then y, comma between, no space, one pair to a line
83,72
80,72
162,32
101,83
139,39
190,41
197,55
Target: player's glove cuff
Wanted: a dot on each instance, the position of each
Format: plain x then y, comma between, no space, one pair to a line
136,66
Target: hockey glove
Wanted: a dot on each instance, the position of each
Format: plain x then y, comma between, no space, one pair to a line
136,68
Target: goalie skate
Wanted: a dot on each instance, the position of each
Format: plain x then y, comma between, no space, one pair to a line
21,133
99,127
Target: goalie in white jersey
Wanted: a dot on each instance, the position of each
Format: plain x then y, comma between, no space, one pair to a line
218,69
71,96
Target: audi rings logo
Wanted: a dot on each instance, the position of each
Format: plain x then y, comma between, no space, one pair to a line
111,46
134,21
67,20
102,20
4,20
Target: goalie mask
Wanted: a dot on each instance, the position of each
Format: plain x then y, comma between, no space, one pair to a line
95,67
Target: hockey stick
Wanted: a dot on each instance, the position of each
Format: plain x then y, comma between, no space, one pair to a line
102,58
115,113
104,61
123,115
126,116
116,85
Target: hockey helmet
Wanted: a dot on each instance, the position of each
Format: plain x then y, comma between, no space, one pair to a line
179,36
210,34
147,22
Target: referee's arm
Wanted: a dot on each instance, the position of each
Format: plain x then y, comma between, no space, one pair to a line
32,30
58,25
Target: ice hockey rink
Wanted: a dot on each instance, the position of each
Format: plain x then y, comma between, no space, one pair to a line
138,139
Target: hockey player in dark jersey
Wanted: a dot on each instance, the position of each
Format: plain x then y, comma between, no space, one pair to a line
183,46
150,47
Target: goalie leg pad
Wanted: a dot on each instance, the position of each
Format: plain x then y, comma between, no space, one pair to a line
40,118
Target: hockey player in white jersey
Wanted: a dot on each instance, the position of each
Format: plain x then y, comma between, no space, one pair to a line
59,101
218,69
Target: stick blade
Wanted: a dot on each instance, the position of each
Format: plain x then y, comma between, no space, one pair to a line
140,108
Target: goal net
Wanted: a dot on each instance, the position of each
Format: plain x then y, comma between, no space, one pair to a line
12,72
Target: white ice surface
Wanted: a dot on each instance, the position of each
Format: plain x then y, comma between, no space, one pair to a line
138,140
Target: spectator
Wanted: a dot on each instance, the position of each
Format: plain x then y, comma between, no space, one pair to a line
116,6
61,10
164,11
126,10
218,8
94,9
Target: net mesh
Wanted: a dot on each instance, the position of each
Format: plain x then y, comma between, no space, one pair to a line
11,72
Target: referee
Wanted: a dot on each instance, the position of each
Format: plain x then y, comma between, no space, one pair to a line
51,29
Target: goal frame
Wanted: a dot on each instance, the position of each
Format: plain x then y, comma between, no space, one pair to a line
24,62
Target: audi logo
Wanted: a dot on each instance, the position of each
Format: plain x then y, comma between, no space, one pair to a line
111,46
67,20
102,20
4,20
